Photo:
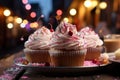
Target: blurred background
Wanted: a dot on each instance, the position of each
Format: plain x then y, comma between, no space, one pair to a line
20,18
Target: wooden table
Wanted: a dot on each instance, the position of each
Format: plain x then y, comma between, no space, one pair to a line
9,71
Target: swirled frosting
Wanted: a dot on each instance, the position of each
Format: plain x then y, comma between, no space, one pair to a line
39,39
91,38
66,37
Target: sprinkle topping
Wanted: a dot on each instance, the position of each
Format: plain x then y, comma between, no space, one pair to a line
70,33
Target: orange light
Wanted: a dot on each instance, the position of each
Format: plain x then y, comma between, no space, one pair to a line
25,21
9,19
34,25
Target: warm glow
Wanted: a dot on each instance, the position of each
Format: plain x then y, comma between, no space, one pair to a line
97,11
66,19
33,14
73,12
103,5
34,25
9,25
6,12
87,3
18,20
28,6
24,1
25,21
9,19
94,3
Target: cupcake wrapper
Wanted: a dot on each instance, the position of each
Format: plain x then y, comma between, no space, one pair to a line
37,56
67,58
55,52
93,53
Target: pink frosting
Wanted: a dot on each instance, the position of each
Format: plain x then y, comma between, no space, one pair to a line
39,39
89,64
66,37
91,38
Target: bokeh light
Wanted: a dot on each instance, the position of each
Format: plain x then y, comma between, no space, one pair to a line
24,1
59,12
103,5
87,3
25,21
42,16
6,12
10,25
27,6
22,25
34,25
73,12
33,14
10,19
66,19
18,20
94,3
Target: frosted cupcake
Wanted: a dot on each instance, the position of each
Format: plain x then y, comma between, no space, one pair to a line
93,42
37,46
67,48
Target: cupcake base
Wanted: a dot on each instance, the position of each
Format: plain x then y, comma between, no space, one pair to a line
67,57
37,56
93,53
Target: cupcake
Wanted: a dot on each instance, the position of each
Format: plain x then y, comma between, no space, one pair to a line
93,43
67,48
37,46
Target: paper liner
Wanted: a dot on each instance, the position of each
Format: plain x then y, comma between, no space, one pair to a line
37,56
67,57
93,53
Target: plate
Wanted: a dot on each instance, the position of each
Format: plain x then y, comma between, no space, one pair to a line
24,63
88,66
111,54
112,59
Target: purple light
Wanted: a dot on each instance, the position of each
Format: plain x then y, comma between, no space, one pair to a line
28,27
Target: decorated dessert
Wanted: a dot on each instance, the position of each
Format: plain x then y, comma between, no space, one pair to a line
37,46
93,43
67,48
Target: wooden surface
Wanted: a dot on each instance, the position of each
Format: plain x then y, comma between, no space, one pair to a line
110,72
